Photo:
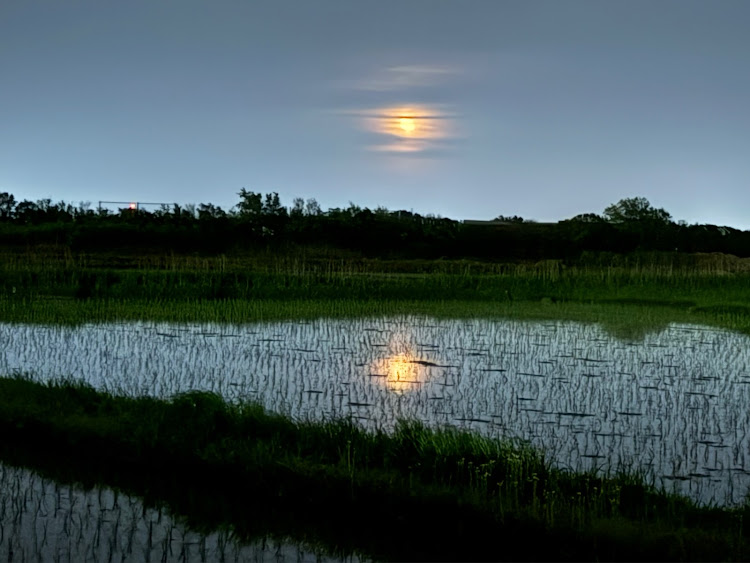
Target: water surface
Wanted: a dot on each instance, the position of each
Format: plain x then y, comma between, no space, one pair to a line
674,404
41,520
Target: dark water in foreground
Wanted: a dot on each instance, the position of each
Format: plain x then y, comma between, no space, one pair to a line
41,520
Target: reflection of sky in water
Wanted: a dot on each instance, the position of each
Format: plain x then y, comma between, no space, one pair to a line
401,370
673,404
400,373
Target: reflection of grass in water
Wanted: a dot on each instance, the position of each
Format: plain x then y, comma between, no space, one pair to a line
633,332
623,319
413,494
635,322
634,318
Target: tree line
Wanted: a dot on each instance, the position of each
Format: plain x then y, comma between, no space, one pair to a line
261,221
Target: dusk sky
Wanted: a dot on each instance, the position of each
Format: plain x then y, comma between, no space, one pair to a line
467,109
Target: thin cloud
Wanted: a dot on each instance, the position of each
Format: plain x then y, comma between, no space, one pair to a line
408,128
402,146
404,77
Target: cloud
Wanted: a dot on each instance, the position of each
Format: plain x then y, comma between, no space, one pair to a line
401,146
399,78
401,116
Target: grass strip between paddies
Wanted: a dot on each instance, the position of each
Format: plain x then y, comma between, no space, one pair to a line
415,493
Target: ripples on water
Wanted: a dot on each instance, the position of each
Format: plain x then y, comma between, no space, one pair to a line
673,405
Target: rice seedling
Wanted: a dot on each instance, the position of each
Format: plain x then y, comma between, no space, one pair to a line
43,520
589,400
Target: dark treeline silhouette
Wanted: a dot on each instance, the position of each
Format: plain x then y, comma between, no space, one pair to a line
261,221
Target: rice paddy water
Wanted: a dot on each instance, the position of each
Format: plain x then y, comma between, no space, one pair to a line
671,405
41,520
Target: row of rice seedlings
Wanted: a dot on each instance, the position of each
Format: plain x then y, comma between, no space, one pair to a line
589,400
42,520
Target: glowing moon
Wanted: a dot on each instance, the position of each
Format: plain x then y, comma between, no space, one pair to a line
407,124
407,129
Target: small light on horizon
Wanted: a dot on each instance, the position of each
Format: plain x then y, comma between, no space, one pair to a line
133,206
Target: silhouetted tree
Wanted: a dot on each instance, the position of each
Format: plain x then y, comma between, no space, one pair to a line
312,208
7,205
509,219
587,218
250,205
272,205
209,211
27,211
274,216
641,225
298,207
635,209
631,225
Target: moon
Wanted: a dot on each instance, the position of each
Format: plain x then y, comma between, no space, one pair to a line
407,124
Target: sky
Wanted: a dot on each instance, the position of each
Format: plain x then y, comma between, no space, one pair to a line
467,109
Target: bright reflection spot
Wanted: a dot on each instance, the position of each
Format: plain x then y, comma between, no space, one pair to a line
132,206
401,373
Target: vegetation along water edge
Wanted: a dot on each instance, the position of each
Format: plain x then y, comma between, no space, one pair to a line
415,493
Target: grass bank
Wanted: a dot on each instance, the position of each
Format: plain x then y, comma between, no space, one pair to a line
630,297
518,283
414,494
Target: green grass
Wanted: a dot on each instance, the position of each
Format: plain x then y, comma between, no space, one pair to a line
415,493
286,278
629,299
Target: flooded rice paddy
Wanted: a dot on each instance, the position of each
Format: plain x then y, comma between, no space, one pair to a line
41,520
673,405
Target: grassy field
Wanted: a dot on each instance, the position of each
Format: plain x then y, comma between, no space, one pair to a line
414,494
629,298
